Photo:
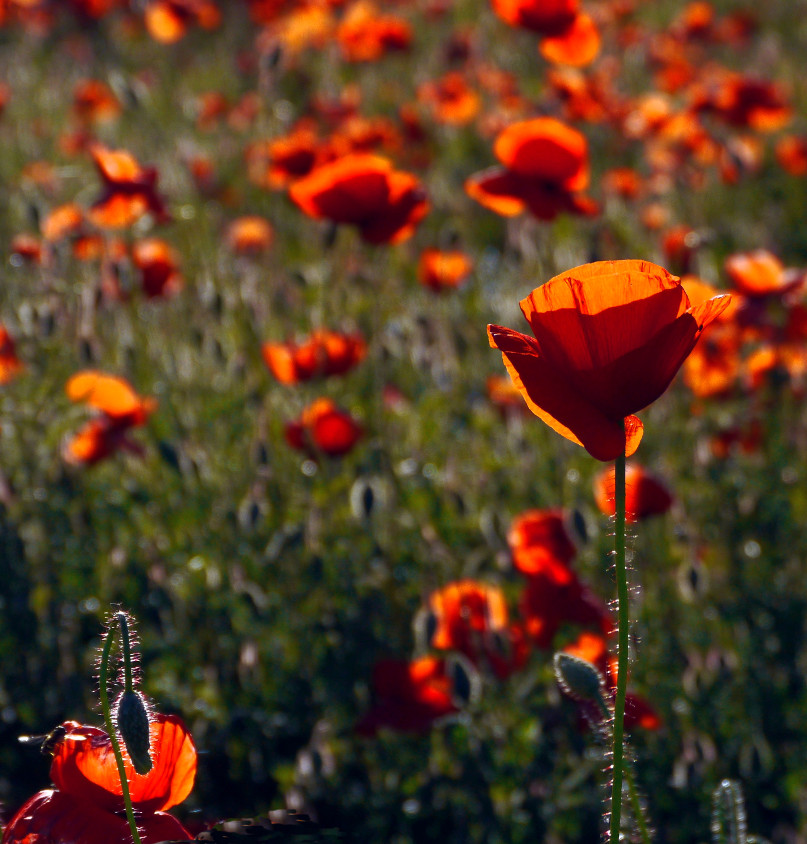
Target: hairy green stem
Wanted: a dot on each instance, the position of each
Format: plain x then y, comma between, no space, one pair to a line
622,652
636,805
117,619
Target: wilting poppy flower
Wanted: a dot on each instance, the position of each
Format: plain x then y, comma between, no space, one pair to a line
129,190
120,407
443,269
323,428
645,495
322,354
760,274
410,696
249,235
158,264
545,167
385,204
10,364
609,338
539,541
86,807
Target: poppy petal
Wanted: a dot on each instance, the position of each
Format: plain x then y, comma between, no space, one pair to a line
553,398
496,189
576,46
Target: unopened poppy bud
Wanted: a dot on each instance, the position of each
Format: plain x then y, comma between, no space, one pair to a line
133,727
578,677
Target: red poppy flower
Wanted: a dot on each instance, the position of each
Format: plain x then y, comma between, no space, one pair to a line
545,168
547,17
249,235
87,807
555,597
578,45
791,154
121,408
410,696
322,354
443,269
464,614
760,274
450,98
94,101
158,263
323,428
10,364
365,190
540,542
365,36
167,20
609,338
129,190
275,164
645,495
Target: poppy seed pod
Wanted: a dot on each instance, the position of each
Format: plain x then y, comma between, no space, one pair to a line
132,721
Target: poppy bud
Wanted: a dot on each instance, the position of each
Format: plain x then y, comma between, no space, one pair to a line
133,726
578,677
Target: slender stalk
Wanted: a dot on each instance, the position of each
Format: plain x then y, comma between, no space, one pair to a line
636,806
110,727
622,653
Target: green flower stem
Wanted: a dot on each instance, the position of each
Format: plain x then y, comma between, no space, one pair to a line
636,806
127,652
622,655
119,618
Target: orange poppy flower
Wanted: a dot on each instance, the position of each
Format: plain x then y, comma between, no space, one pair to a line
410,696
609,338
364,35
87,805
167,21
10,364
63,221
364,190
158,263
545,166
791,153
120,409
645,495
129,190
465,613
95,102
249,235
760,274
451,99
322,354
578,45
439,269
539,542
323,428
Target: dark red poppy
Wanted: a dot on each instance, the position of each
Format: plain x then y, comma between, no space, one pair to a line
545,169
129,190
609,338
364,35
320,355
323,428
409,696
10,364
364,190
645,495
87,805
158,264
540,542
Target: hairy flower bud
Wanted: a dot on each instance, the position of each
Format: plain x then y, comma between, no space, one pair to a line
133,726
578,677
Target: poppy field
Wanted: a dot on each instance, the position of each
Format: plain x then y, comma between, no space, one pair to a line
401,421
